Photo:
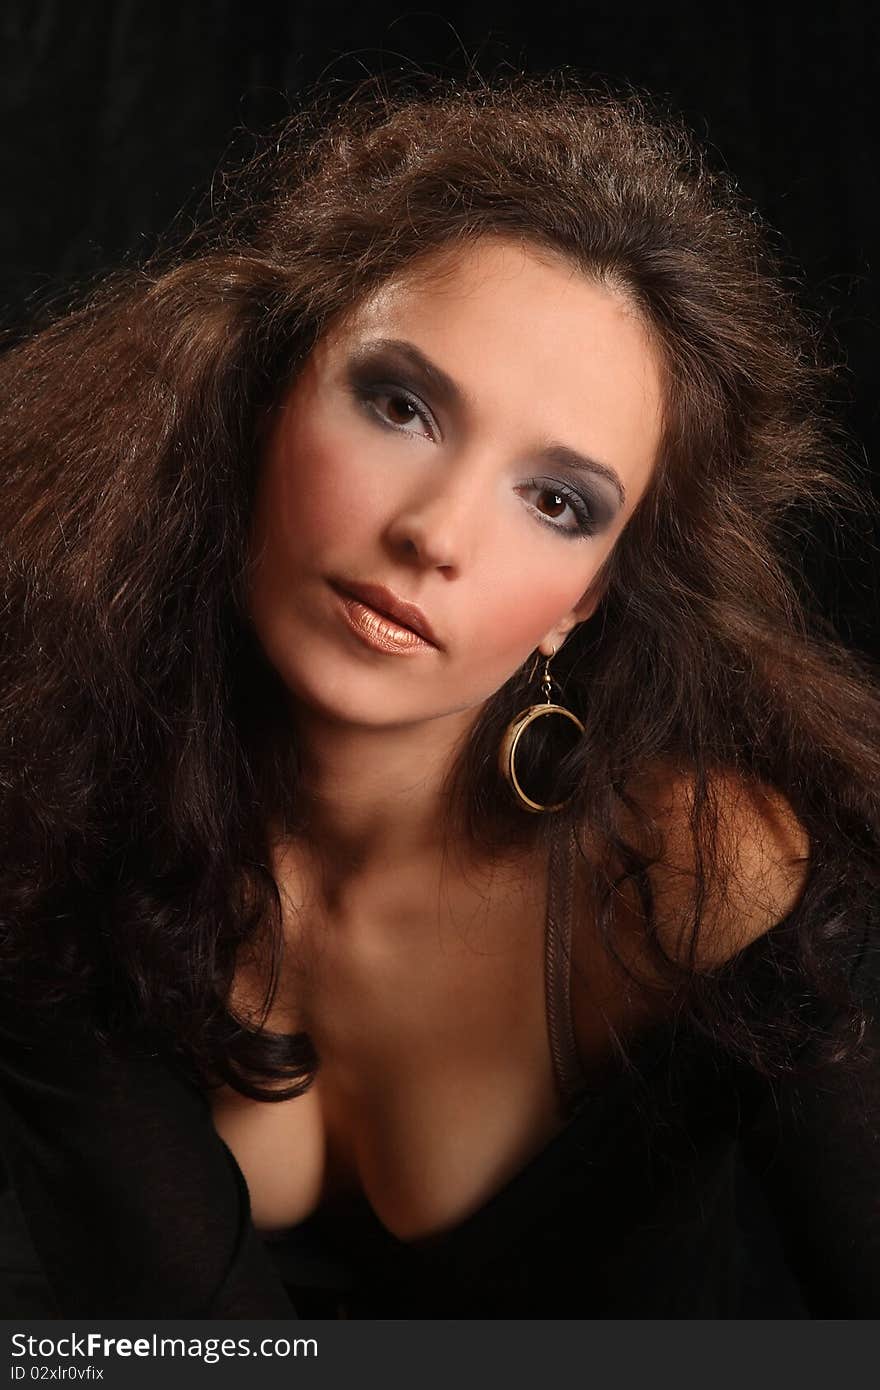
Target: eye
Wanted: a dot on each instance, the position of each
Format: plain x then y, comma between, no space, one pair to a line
562,499
396,408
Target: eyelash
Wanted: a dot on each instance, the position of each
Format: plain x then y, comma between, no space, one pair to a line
586,522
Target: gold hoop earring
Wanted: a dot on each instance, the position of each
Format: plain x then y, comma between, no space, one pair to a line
517,727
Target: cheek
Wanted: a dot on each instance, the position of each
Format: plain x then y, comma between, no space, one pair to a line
323,493
516,610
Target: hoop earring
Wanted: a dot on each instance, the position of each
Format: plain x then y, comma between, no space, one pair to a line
515,730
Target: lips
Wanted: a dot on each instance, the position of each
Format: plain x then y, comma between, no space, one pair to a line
390,605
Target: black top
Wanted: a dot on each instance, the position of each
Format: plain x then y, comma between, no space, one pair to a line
685,1188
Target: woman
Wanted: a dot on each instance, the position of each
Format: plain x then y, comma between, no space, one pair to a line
442,837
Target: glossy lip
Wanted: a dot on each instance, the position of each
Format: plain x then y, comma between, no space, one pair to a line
379,633
388,605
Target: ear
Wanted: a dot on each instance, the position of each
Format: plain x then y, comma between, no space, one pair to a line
583,609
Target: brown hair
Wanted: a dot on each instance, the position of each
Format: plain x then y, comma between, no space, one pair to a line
144,749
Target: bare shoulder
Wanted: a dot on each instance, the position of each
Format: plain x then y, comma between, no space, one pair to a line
763,865
763,859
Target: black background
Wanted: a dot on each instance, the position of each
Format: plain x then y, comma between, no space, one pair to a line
116,116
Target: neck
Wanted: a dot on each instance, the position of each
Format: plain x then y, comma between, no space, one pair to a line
376,798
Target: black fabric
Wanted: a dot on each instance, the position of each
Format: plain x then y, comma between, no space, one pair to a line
132,1203
682,1190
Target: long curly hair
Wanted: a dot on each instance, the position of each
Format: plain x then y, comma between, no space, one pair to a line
143,734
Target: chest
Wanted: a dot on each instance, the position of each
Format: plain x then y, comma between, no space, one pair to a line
436,1082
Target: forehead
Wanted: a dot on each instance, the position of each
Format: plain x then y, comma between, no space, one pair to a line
538,348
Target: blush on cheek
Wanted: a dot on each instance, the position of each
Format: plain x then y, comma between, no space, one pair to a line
511,629
526,616
332,495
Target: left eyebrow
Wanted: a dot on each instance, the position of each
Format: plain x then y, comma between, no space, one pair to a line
452,394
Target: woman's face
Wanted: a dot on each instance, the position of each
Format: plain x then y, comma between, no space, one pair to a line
430,445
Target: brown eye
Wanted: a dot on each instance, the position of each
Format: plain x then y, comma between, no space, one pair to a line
557,502
561,500
396,409
402,410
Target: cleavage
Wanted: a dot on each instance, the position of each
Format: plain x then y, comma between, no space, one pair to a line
436,1083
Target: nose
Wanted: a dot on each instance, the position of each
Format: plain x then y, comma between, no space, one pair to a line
441,521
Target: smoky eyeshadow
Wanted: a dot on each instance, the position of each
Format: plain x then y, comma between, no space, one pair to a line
369,368
389,365
602,507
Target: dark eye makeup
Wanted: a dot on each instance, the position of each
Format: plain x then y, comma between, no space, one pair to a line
374,396
398,395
